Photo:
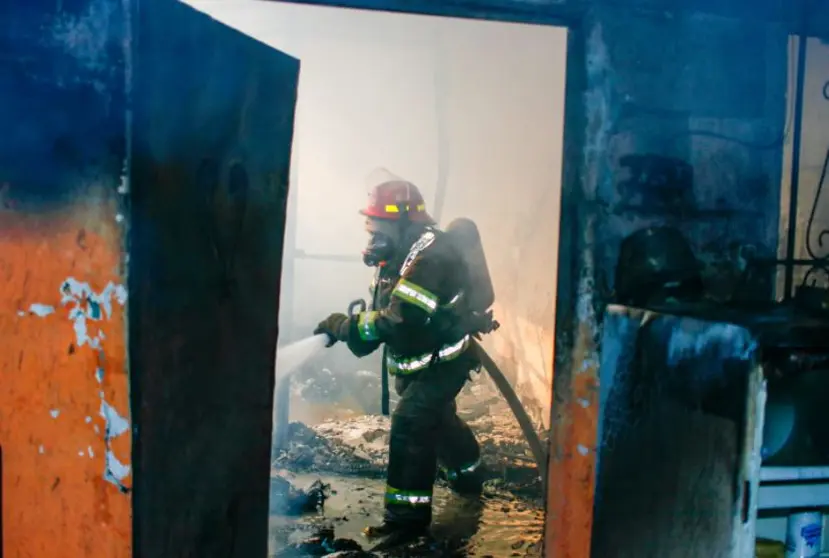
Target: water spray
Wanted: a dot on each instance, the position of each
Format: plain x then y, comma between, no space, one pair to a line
290,357
288,360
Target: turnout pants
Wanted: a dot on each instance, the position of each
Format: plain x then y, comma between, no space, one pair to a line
425,431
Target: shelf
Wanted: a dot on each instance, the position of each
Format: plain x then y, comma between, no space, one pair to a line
793,487
791,496
793,474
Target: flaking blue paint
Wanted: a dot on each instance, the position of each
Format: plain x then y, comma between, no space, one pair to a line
41,310
115,423
692,339
115,471
86,307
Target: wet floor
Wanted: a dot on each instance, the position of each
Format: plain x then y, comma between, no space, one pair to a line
498,524
344,443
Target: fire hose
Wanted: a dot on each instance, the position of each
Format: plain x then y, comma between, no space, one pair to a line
515,405
500,381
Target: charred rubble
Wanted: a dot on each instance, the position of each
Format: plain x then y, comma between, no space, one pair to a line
286,499
359,445
356,447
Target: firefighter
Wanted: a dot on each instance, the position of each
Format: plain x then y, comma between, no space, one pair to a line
419,276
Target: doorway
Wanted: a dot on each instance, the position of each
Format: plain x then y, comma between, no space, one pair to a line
472,113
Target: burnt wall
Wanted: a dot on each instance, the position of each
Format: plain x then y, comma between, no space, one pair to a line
213,127
64,416
707,95
701,95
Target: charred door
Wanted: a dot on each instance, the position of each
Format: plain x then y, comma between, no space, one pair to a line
212,129
681,418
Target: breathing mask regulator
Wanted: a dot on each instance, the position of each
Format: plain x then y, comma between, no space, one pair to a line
384,238
380,249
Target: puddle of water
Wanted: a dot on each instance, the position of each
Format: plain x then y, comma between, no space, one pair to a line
496,525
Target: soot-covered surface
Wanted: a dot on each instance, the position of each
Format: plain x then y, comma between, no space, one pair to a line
350,455
676,436
213,123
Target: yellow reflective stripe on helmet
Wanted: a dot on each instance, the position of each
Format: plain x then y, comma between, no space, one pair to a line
408,497
366,327
420,208
416,295
411,365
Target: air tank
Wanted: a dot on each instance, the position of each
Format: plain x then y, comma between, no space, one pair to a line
480,294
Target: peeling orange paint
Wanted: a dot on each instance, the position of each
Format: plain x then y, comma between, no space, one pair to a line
572,469
56,502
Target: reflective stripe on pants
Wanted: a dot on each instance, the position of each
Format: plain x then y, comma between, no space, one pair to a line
395,496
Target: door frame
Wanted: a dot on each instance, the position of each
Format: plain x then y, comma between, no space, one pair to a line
567,526
570,480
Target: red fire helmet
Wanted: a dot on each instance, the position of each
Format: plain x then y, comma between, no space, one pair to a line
394,198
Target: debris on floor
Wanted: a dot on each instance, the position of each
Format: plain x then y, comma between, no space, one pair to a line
285,499
311,451
350,452
359,445
324,543
498,524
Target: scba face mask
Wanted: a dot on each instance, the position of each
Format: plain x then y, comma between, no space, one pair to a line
383,241
380,249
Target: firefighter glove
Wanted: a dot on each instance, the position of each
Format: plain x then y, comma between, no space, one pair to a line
335,327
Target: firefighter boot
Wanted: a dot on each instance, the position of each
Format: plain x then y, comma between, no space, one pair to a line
468,481
393,534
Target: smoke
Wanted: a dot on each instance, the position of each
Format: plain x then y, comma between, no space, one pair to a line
475,108
469,112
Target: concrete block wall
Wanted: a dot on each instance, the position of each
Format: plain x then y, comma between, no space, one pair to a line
707,90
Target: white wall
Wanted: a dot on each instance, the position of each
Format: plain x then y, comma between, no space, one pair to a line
368,97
